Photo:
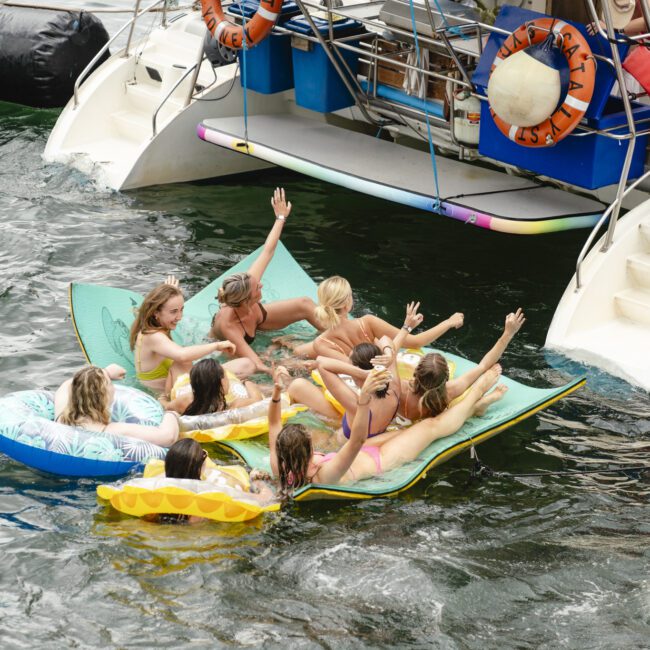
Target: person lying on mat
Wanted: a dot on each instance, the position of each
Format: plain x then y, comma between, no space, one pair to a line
186,459
430,391
242,314
295,464
85,401
159,361
211,389
342,333
384,403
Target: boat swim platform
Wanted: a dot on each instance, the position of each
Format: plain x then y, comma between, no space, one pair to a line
470,193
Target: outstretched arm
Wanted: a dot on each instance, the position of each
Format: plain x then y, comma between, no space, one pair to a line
329,370
243,349
333,471
167,348
382,328
281,208
513,324
280,376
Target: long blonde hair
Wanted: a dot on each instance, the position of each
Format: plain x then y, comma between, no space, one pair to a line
235,290
429,383
146,320
334,294
89,398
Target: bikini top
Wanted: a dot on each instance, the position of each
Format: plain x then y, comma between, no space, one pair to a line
249,339
347,430
159,372
364,334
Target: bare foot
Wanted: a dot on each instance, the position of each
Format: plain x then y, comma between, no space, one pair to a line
489,378
490,398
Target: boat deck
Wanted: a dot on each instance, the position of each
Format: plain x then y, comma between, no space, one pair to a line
468,192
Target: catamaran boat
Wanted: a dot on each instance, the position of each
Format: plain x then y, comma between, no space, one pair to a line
515,124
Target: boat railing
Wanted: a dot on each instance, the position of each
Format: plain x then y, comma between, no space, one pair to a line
601,221
131,24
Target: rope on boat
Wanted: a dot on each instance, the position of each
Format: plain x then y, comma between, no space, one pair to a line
436,203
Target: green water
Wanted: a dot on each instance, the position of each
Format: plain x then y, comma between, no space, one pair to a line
526,563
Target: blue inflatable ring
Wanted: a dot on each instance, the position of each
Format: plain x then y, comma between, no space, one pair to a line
29,434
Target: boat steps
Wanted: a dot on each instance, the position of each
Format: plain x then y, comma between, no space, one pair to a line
644,230
147,97
132,124
638,268
634,304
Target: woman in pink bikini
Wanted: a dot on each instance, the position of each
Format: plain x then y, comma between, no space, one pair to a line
242,314
294,462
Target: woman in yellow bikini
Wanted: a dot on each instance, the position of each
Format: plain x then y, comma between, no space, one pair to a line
159,361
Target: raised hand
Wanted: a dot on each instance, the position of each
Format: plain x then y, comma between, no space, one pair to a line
376,380
514,321
172,281
281,207
281,377
456,320
413,318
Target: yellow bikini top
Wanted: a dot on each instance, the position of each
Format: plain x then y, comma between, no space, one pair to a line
159,372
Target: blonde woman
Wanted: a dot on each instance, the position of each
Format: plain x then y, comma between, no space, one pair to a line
242,314
159,361
85,401
342,333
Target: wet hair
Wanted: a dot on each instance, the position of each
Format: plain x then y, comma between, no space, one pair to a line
360,357
429,383
89,398
235,290
184,459
206,378
146,320
294,451
334,294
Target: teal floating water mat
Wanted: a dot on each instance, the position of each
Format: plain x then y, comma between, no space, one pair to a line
102,316
519,402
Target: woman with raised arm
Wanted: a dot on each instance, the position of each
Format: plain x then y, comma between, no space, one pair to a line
242,314
158,360
294,462
342,333
85,401
431,390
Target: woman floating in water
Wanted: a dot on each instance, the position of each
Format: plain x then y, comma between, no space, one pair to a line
159,361
85,401
342,333
295,463
242,314
431,391
212,389
186,459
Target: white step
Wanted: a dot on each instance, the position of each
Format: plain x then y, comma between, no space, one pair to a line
634,304
146,97
638,268
177,39
134,125
644,229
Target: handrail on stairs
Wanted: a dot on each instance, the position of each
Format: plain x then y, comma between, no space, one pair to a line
602,219
168,95
101,52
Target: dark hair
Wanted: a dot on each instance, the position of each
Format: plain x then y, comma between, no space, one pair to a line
294,451
206,378
361,355
429,383
183,460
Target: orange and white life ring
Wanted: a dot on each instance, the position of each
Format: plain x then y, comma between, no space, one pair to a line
582,73
231,35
